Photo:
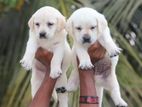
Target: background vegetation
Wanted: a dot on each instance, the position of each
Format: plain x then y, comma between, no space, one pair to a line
125,21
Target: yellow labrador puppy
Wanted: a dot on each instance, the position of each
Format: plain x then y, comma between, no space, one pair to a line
87,26
47,31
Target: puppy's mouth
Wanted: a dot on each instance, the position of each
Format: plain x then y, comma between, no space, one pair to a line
42,37
88,41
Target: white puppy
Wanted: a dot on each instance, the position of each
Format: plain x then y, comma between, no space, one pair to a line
86,26
47,31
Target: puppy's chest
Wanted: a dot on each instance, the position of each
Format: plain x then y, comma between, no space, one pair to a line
48,45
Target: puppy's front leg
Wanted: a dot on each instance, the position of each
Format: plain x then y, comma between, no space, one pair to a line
29,55
56,62
84,58
107,42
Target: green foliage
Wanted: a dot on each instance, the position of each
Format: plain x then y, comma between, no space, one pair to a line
125,21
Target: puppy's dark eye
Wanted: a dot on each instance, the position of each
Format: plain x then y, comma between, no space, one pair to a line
49,24
93,27
37,24
79,28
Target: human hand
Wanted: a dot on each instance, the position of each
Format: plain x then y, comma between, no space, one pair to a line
44,93
87,81
44,56
96,52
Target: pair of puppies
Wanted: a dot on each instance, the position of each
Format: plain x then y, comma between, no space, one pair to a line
47,30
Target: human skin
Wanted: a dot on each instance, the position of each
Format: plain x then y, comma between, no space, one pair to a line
44,93
87,82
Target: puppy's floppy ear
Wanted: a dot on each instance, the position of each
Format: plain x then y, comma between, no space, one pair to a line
61,21
105,38
31,23
102,23
69,26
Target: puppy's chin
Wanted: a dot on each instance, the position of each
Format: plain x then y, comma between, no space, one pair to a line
86,44
89,43
42,38
45,38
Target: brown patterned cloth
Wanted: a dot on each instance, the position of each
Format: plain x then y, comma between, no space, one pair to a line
102,67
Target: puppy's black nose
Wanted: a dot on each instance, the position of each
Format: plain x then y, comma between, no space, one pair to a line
86,39
42,35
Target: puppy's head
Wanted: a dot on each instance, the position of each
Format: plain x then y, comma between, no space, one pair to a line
86,25
46,22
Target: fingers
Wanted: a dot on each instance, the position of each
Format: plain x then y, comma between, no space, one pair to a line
94,46
99,53
44,56
42,53
96,51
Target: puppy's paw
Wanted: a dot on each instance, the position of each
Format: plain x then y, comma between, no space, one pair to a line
115,51
26,63
55,73
121,103
85,65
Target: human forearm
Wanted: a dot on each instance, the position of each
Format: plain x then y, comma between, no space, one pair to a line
87,86
43,95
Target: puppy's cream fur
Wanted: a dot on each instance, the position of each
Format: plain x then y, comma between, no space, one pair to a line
47,31
91,25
